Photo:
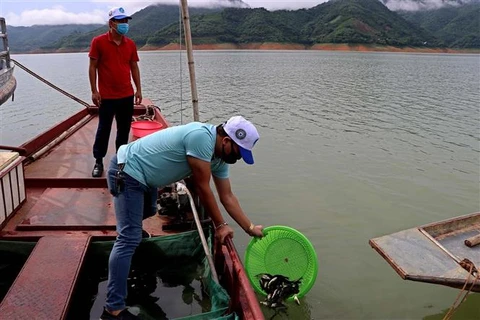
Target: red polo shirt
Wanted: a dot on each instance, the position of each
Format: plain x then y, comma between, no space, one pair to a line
114,72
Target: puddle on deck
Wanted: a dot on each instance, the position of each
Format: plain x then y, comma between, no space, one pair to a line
161,290
13,256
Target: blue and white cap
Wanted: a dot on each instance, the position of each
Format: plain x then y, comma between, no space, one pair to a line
244,134
118,13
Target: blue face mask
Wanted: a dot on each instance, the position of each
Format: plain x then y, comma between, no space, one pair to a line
122,28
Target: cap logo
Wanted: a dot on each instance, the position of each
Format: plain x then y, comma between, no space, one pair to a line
121,10
240,134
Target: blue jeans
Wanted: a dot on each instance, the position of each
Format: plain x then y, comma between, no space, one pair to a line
133,202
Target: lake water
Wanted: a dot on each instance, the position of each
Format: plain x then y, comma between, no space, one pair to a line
353,146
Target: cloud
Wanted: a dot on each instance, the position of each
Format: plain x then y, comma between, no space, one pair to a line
134,6
54,16
55,12
415,5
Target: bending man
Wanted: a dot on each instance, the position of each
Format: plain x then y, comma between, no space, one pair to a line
159,159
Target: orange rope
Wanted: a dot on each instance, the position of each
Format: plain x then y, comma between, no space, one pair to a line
455,306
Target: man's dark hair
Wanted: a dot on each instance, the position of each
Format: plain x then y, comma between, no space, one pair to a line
221,131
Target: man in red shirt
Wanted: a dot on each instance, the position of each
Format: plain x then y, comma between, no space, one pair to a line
113,59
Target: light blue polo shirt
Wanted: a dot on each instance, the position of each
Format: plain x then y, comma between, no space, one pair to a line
160,158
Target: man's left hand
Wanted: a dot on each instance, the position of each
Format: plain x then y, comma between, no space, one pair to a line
138,97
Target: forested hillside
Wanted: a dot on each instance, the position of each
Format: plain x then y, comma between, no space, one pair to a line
31,39
337,21
456,25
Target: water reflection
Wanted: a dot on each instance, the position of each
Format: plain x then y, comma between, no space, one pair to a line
353,146
468,310
293,311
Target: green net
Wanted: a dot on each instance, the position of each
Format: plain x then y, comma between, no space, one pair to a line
175,279
177,261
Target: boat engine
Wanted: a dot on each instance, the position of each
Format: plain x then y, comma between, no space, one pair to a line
172,203
176,205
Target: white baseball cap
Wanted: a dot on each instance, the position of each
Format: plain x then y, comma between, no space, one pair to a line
118,13
244,134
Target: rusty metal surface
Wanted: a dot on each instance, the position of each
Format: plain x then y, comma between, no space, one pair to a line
73,157
65,183
65,208
72,206
39,141
246,301
43,288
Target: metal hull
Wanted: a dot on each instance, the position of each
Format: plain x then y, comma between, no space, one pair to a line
8,84
63,204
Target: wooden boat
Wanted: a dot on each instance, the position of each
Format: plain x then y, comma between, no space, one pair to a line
49,200
8,82
445,252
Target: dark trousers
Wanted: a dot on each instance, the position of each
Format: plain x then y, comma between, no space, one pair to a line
122,110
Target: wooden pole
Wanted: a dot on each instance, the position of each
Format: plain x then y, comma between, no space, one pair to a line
473,241
191,64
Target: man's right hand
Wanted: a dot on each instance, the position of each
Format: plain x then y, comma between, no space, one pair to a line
223,232
96,98
257,231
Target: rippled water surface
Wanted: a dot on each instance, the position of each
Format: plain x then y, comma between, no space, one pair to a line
353,146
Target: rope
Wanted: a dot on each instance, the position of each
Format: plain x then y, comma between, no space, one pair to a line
50,84
149,114
180,54
472,271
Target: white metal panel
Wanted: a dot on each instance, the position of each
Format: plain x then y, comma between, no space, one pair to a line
7,193
3,214
14,184
21,181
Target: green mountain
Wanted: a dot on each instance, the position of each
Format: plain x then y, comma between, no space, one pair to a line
458,27
365,21
336,21
143,25
239,26
31,39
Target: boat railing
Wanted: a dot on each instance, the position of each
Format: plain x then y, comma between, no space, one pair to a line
5,62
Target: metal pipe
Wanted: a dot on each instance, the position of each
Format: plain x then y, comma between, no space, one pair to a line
56,141
182,187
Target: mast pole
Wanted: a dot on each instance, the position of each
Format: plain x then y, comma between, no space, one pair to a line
191,64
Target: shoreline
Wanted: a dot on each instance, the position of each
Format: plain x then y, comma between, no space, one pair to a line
285,47
316,47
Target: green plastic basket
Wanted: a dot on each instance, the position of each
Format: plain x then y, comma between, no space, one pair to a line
285,251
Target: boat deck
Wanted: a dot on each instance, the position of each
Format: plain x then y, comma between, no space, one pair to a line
63,209
63,197
40,271
432,253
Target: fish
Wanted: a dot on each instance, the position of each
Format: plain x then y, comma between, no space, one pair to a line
278,288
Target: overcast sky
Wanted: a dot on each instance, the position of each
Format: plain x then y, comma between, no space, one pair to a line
30,12
27,13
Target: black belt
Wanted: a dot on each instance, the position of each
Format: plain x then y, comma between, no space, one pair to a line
121,166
